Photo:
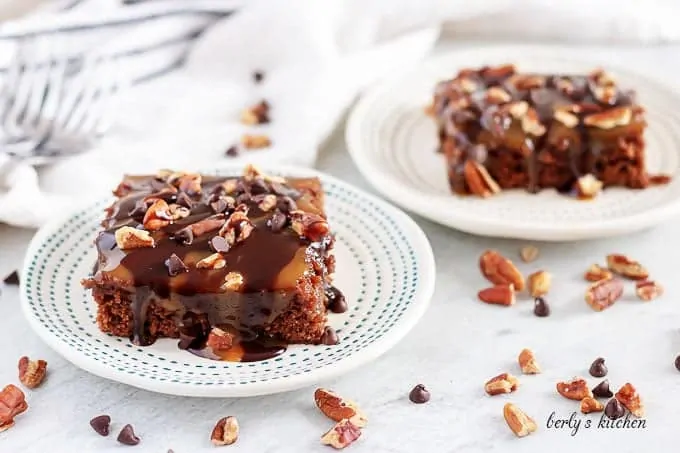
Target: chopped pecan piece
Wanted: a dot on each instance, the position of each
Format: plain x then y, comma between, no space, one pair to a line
341,435
527,362
589,404
648,290
237,228
219,340
257,114
225,431
32,372
498,295
595,273
337,408
478,179
214,261
603,294
588,186
629,397
539,283
500,270
626,267
12,403
528,253
519,422
132,238
576,389
308,225
255,141
609,119
503,383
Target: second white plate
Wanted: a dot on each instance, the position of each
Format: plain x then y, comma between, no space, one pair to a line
393,143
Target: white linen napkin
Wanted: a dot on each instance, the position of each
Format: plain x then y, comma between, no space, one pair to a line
316,56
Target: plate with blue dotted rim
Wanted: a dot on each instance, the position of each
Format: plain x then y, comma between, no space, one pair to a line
393,141
385,268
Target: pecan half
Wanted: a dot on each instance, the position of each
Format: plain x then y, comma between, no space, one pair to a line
478,179
499,270
629,397
12,403
527,362
576,389
648,290
603,294
589,404
519,422
32,372
132,238
341,435
498,295
503,383
626,267
539,283
337,408
190,183
595,273
225,431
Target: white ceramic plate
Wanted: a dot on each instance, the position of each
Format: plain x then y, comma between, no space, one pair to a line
385,268
393,143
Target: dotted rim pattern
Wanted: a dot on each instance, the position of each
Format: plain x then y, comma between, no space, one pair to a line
391,271
392,142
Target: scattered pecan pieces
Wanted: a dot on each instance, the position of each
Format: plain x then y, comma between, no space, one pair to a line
257,114
629,397
603,294
498,295
503,383
626,267
648,290
595,273
478,179
527,362
337,408
576,389
225,431
343,434
519,422
132,238
539,283
529,253
589,404
499,270
12,403
255,141
32,372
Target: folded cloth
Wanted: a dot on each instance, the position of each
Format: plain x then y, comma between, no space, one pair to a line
315,56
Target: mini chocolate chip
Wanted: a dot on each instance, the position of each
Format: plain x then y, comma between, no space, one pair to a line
541,307
127,436
277,221
101,424
614,409
259,186
12,279
258,76
329,337
185,200
219,206
175,265
598,368
602,390
185,236
139,209
284,190
232,151
677,363
219,244
419,394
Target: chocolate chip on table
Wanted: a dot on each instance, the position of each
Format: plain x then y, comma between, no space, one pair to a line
329,337
541,307
101,424
677,363
602,390
419,394
258,76
12,279
232,151
175,265
127,436
219,245
614,409
598,368
338,304
277,222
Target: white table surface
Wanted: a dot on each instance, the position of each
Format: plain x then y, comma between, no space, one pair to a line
457,346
